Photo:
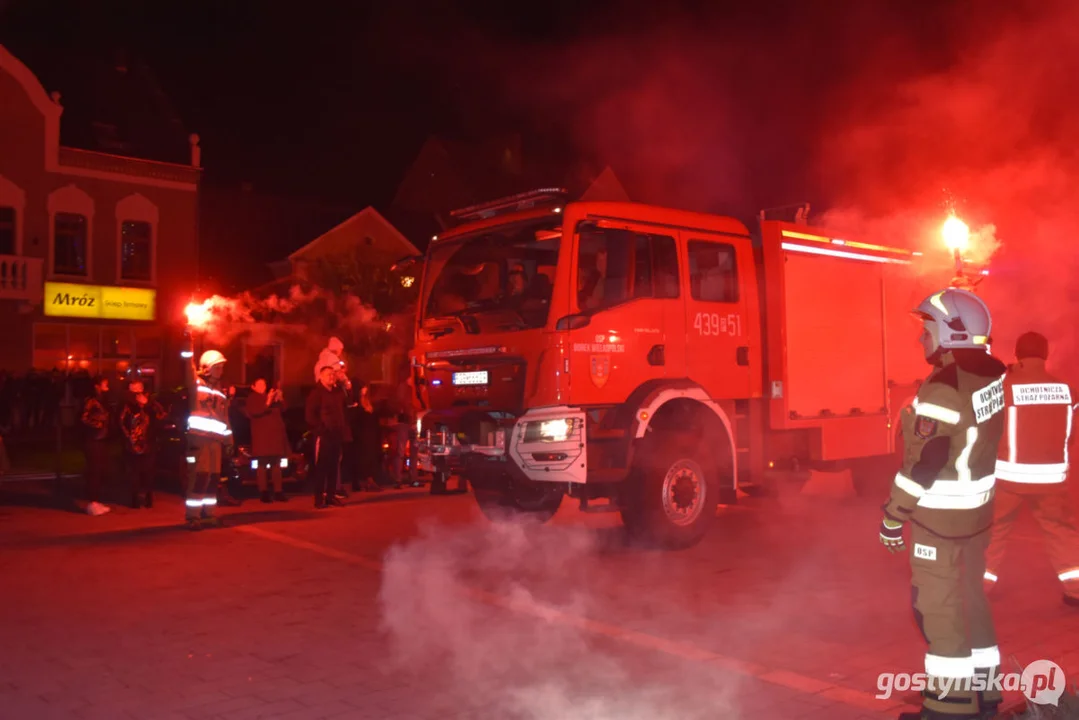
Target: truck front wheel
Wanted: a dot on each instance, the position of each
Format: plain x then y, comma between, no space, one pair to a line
673,491
537,501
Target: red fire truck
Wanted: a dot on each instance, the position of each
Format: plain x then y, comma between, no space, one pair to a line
653,361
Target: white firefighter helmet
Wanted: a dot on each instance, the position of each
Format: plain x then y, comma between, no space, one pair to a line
955,319
209,359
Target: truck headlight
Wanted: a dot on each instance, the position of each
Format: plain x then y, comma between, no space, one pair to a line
555,430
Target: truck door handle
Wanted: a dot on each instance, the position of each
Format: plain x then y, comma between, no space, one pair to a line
656,356
743,355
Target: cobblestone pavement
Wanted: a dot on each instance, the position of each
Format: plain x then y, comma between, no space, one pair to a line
404,605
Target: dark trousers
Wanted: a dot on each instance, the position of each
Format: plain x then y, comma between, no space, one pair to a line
140,472
272,466
327,463
97,469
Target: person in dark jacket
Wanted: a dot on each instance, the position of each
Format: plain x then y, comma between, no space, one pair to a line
95,420
138,422
269,440
367,445
325,414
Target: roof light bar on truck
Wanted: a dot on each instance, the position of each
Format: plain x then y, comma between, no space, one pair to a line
520,201
827,246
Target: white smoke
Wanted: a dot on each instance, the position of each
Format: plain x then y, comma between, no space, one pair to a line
303,312
497,611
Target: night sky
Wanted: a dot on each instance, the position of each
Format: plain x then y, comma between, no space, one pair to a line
885,115
334,99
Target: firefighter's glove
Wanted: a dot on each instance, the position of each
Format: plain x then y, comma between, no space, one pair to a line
891,534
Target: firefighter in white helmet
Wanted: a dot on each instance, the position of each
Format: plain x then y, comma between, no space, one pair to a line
1032,464
208,436
945,491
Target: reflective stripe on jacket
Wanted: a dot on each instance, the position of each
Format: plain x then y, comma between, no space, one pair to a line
1038,426
209,416
950,436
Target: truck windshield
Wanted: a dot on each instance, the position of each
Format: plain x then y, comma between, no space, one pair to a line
506,272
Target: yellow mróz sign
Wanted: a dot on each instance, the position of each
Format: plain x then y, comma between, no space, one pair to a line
99,301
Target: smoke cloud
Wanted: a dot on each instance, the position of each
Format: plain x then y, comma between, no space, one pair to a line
437,607
990,135
302,313
887,116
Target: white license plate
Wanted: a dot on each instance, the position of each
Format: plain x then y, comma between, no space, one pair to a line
477,377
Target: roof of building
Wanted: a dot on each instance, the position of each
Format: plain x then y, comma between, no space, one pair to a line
367,215
113,102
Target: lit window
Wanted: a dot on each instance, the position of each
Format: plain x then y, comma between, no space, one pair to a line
136,249
69,253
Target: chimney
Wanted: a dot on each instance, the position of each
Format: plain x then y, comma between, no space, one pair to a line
196,151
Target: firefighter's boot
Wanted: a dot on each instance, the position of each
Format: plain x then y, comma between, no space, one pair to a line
224,498
209,505
192,507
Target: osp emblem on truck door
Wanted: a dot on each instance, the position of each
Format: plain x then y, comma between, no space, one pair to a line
600,369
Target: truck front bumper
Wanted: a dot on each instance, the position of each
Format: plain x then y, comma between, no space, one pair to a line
543,445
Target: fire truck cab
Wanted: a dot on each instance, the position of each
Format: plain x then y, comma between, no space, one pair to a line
653,361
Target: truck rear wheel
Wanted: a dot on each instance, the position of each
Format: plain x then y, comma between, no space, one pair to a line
672,492
536,501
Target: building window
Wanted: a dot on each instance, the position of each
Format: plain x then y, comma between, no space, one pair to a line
136,250
7,231
111,349
148,343
137,230
69,249
12,213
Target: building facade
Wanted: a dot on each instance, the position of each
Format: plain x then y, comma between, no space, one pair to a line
98,252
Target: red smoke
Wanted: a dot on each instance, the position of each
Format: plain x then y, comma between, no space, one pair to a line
994,134
302,312
888,115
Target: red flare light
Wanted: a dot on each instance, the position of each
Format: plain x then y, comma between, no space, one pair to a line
956,234
198,314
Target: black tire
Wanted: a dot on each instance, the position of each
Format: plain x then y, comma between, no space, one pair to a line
672,492
535,501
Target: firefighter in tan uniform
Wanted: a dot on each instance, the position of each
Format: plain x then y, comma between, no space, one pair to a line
208,434
945,490
1032,464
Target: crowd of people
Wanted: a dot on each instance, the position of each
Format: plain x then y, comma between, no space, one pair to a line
32,401
353,442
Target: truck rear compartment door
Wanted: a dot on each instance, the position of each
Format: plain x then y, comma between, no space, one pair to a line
836,371
835,336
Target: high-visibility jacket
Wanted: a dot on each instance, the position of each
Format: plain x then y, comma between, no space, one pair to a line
1038,426
950,435
209,417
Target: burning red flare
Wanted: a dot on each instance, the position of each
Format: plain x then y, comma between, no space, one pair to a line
956,234
198,314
